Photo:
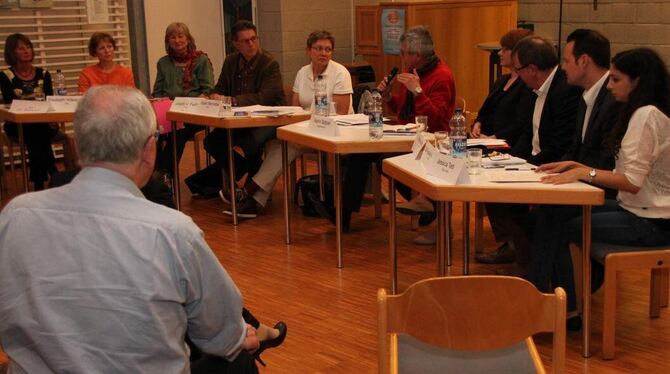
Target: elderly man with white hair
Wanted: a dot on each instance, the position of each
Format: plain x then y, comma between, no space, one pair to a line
96,278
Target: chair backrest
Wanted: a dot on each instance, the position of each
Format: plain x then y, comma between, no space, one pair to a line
470,313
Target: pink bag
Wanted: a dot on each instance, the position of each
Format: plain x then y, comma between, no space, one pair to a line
161,107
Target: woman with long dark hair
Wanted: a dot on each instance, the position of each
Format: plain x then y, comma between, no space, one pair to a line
24,81
640,141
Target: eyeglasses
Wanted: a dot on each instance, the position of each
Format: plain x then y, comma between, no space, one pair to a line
251,40
322,49
518,69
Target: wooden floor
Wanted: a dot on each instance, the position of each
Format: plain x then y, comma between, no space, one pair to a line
331,312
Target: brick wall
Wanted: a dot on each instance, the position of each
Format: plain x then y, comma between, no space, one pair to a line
284,26
627,24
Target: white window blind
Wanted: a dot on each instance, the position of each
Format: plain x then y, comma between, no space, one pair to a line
60,35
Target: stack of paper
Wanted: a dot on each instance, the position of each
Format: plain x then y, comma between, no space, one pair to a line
488,142
351,119
501,160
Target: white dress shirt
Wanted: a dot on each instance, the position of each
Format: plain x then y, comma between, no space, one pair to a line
539,107
590,96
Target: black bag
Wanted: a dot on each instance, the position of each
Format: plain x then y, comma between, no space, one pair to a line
308,190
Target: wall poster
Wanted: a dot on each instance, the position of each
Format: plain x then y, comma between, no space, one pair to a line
393,25
97,11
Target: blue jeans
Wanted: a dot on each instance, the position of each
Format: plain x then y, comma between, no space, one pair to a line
553,228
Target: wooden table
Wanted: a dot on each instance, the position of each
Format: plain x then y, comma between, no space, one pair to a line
352,139
407,170
228,123
31,118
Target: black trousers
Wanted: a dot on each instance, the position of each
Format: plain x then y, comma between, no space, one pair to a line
164,156
37,138
356,177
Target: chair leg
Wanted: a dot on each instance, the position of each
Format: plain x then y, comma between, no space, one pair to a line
196,152
303,166
609,311
665,284
293,177
655,289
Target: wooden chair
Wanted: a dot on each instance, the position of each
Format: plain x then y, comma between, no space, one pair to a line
472,323
617,258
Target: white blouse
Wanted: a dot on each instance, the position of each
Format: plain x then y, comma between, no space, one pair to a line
644,159
338,82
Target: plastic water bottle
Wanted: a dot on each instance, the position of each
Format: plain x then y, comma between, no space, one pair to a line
375,118
458,137
59,84
321,106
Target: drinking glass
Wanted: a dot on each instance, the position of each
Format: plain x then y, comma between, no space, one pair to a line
474,161
442,141
421,123
227,103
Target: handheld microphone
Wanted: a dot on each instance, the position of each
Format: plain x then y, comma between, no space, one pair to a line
392,74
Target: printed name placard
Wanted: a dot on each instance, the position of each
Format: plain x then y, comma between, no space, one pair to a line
63,104
29,106
197,105
325,126
418,145
442,166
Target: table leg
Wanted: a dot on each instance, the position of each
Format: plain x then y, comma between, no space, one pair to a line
586,279
393,237
175,168
24,167
208,157
441,237
287,203
337,184
447,232
231,176
322,191
466,238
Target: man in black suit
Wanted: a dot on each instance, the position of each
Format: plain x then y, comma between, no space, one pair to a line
545,138
586,61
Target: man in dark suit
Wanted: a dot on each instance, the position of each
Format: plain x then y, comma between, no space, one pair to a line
545,138
586,63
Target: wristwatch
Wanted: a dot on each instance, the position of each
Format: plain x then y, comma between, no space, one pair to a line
418,90
592,175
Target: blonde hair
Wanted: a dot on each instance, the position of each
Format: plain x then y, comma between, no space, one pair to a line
175,27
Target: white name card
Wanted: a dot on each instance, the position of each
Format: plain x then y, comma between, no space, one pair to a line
197,105
442,166
417,146
63,104
324,126
29,106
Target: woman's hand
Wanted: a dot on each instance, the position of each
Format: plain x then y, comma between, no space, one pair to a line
568,176
558,167
476,131
215,96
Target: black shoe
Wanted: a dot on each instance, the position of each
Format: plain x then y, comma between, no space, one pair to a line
505,254
197,189
329,212
573,323
272,343
427,218
246,208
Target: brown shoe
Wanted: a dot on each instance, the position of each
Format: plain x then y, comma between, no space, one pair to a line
503,255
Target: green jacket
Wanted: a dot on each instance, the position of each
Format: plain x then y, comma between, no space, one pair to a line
169,79
267,87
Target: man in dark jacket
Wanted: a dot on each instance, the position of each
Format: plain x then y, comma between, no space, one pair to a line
249,76
545,138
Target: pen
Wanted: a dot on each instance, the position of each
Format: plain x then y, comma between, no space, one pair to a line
519,169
